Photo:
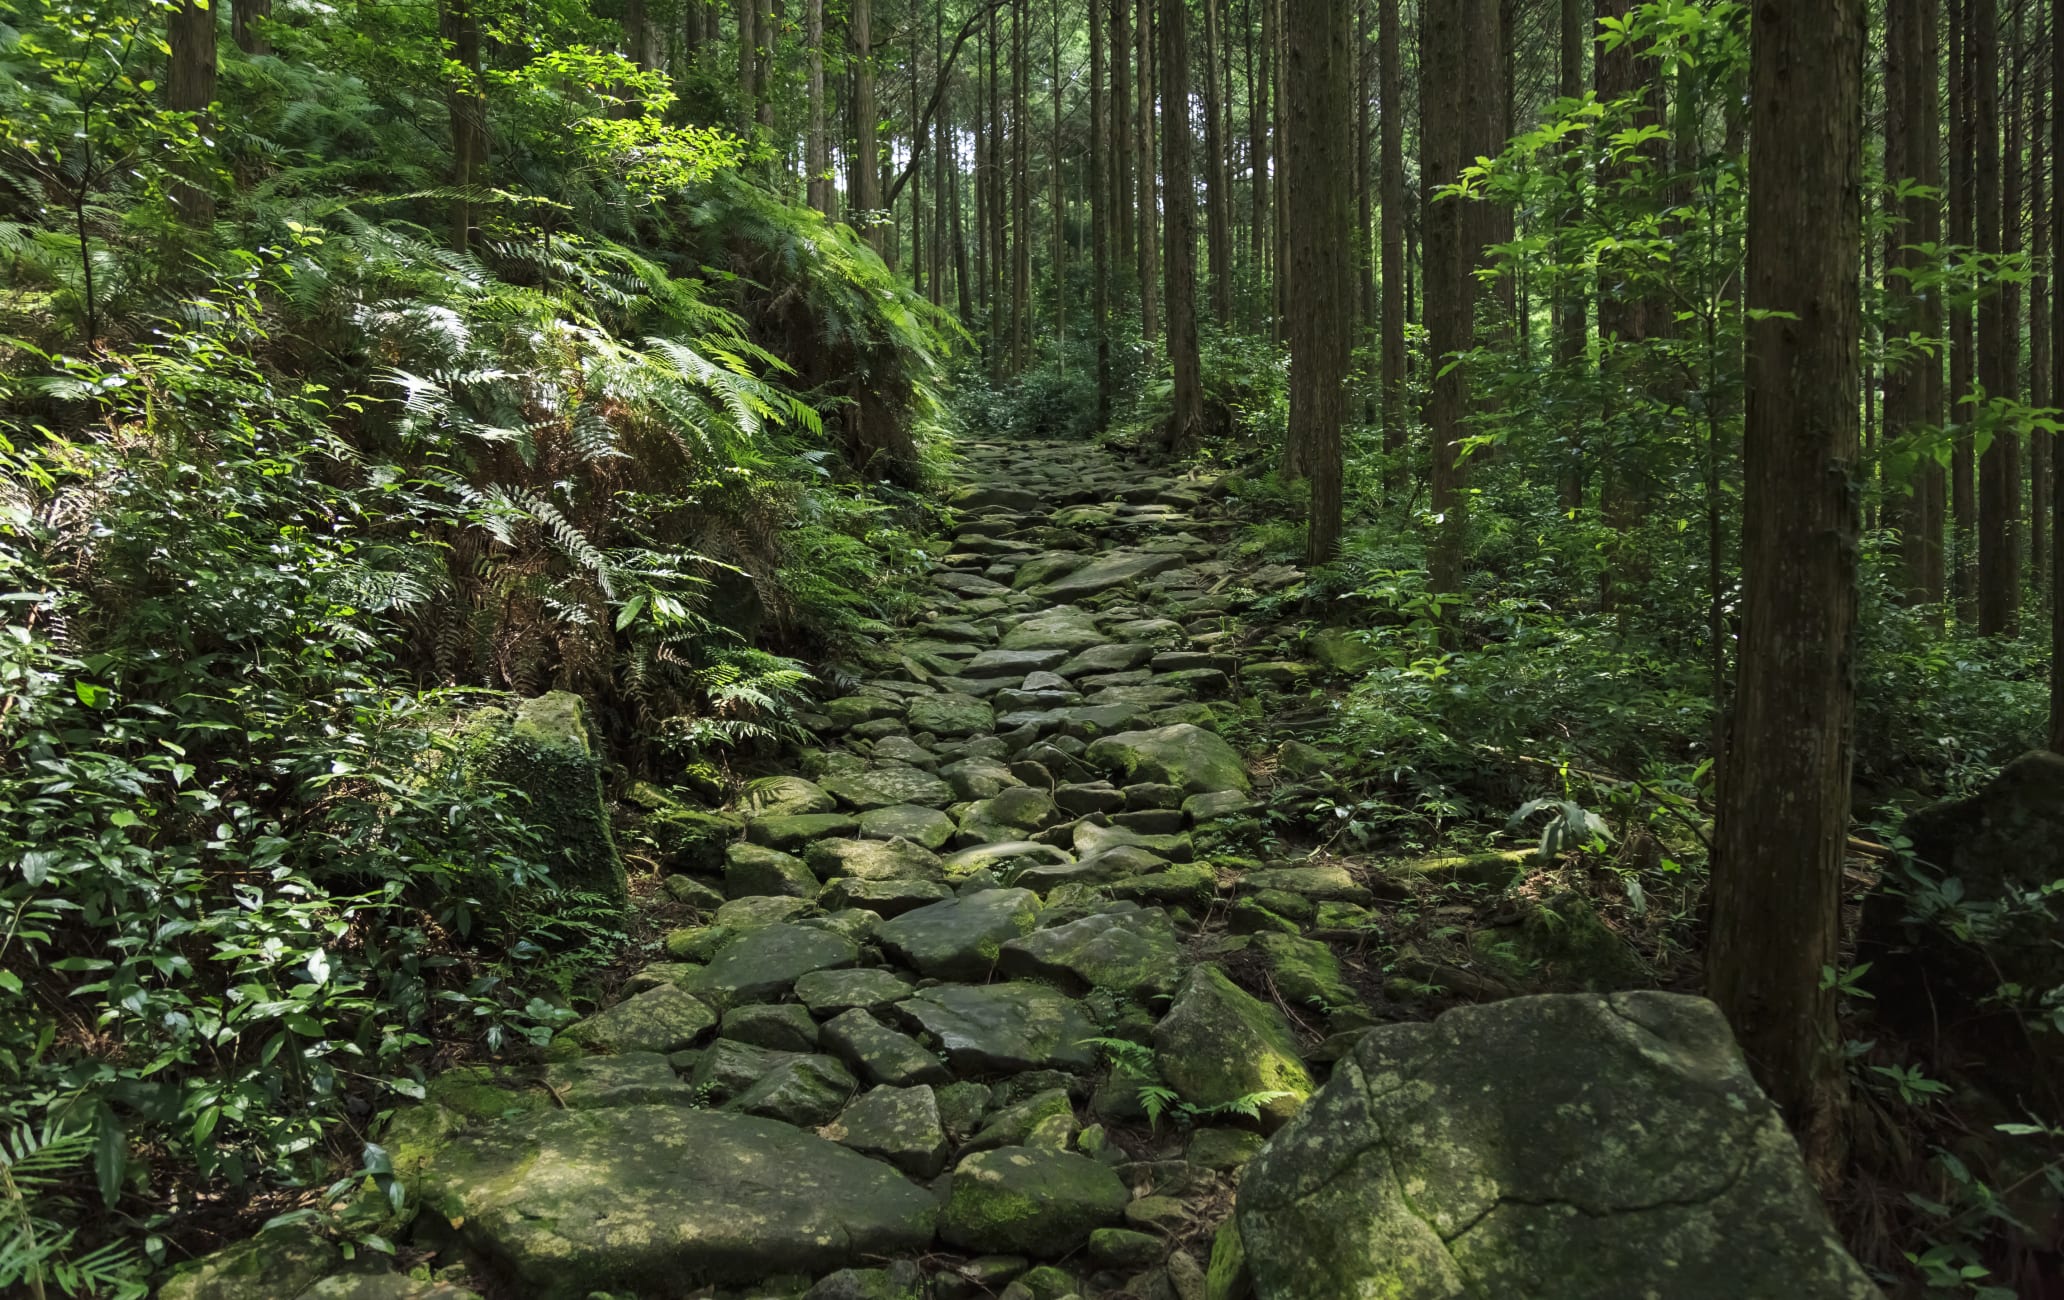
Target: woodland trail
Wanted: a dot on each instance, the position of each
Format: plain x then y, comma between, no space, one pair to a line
997,860
989,997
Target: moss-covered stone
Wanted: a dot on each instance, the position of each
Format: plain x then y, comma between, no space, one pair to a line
1484,870
1181,755
1558,1148
663,1019
752,870
1305,971
1219,1044
544,749
690,840
1005,1028
899,1125
283,1262
1228,1278
1045,1120
1039,1203
1564,944
657,1200
796,832
1131,952
961,938
1343,651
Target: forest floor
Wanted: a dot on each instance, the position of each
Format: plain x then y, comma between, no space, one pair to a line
1023,917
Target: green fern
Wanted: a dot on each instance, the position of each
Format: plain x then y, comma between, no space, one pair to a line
35,1250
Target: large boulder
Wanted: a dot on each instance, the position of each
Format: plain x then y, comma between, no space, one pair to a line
660,1199
1558,1148
545,750
1186,756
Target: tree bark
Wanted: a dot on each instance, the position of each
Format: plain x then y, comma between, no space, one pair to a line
1218,209
1057,257
190,88
1391,166
1908,134
1099,213
1963,336
1998,578
2040,393
1784,805
1320,175
1364,183
247,19
1459,116
1021,188
1148,253
817,149
1258,153
866,165
460,31
1123,216
2057,389
1572,311
1179,257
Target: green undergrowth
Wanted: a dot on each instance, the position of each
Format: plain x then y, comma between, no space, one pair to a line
287,498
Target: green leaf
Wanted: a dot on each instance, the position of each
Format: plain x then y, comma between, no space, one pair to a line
110,1154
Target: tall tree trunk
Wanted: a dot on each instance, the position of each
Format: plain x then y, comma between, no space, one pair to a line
1218,207
1963,478
1390,89
999,317
1320,81
1057,258
459,29
1278,128
1998,581
1935,480
763,64
817,149
1148,253
1258,179
1123,214
1572,310
1626,321
2057,390
247,19
866,149
1784,805
748,15
1021,187
1099,212
1364,183
1179,257
1459,119
1910,143
941,146
2040,393
637,30
964,287
190,88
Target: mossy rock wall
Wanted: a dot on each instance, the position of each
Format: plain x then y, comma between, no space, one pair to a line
545,749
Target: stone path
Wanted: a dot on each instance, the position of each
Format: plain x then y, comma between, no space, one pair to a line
986,999
879,1056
